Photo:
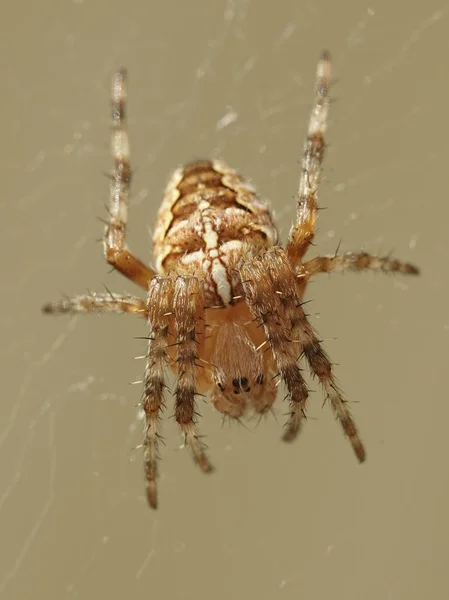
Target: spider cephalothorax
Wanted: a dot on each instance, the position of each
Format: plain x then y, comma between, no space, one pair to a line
224,305
239,372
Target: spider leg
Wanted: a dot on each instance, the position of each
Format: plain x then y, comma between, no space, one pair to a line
99,303
302,233
357,261
284,283
160,297
115,249
188,308
265,303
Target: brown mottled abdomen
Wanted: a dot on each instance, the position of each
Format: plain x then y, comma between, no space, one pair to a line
207,220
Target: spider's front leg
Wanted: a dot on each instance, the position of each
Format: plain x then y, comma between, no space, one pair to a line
188,312
271,291
159,307
265,303
175,311
115,249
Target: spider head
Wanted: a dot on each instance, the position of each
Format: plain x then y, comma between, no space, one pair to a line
238,373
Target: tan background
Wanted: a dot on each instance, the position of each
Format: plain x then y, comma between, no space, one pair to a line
275,521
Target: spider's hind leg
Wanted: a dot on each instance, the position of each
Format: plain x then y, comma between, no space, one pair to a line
115,249
303,231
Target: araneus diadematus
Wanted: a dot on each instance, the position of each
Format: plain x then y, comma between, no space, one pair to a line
224,305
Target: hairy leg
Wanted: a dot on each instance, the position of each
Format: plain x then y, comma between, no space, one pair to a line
98,303
160,299
265,303
284,284
115,249
303,231
357,261
188,309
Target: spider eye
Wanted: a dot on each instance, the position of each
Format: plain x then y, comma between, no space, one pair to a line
240,384
221,386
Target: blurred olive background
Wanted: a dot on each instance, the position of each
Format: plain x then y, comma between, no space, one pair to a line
231,78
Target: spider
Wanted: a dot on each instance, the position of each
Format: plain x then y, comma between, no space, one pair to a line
224,303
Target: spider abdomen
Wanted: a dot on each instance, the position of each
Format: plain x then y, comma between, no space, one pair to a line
208,219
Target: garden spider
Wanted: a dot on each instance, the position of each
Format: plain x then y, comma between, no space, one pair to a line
224,305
